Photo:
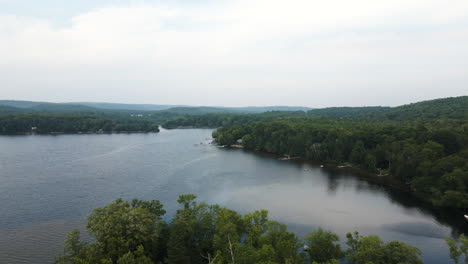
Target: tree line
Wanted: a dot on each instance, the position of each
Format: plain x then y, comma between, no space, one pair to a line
74,123
444,108
135,233
215,120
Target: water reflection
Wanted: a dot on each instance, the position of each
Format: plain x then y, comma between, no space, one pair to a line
417,229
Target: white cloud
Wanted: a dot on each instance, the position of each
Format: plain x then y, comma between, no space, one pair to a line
374,52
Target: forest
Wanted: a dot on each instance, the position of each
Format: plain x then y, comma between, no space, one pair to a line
134,232
74,123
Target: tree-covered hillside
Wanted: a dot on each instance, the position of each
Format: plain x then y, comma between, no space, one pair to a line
453,108
4,109
215,120
370,111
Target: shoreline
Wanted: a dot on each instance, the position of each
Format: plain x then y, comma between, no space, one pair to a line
76,133
329,165
188,127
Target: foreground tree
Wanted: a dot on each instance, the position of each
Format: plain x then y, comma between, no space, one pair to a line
191,231
123,231
458,249
322,246
134,233
371,249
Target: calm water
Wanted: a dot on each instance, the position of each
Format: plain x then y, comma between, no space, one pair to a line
48,184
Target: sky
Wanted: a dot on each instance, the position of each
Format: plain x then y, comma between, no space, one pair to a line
234,52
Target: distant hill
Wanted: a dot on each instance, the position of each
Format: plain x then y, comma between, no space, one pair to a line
193,109
349,111
261,109
198,110
45,107
10,109
63,108
452,108
89,107
20,104
134,107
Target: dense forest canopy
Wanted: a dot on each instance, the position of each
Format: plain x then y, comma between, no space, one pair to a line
74,123
135,233
452,108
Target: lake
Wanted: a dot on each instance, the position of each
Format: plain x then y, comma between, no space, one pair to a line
48,184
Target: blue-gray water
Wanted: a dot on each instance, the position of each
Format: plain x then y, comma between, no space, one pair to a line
48,184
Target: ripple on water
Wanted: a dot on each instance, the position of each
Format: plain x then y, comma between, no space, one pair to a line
37,242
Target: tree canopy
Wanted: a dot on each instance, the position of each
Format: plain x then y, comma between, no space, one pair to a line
135,232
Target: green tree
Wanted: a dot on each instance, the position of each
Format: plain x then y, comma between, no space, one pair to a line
322,246
136,257
458,249
192,231
371,249
121,227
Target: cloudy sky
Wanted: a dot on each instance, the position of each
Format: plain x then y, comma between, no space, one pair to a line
234,53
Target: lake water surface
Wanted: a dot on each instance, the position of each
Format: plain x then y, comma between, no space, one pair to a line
48,184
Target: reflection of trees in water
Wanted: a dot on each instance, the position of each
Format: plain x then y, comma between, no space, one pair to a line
445,216
337,179
362,181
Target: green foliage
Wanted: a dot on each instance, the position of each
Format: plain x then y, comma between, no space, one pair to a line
136,257
371,249
214,120
121,226
349,111
125,233
322,246
332,261
191,231
75,123
458,248
453,108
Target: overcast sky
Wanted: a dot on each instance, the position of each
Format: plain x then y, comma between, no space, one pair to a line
234,53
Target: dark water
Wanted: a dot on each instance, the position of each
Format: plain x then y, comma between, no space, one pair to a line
48,184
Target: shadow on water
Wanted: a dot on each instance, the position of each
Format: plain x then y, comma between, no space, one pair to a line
394,190
444,216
